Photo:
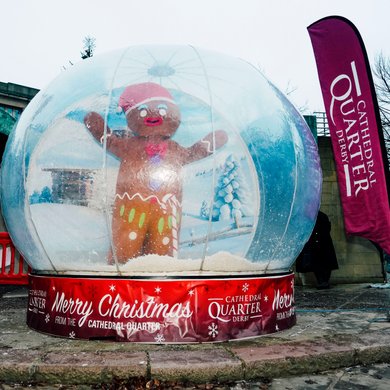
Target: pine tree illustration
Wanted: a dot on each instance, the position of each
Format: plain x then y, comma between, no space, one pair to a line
232,198
205,210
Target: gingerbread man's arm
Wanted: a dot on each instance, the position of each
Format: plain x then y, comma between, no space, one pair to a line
206,146
94,122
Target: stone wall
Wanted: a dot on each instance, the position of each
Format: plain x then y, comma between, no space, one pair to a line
359,261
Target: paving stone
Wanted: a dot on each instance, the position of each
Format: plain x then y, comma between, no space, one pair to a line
18,364
87,367
197,366
288,359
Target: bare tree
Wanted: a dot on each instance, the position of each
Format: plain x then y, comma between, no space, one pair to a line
289,91
89,47
88,50
382,87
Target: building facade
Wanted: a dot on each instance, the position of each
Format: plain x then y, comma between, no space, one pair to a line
13,100
358,259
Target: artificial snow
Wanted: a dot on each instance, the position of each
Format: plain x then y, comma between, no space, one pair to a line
77,240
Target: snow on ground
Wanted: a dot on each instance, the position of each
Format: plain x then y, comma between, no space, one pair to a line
68,232
77,238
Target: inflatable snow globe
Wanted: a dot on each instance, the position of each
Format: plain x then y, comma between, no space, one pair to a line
161,194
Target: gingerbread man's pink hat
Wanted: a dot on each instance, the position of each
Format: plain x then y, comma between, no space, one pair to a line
137,94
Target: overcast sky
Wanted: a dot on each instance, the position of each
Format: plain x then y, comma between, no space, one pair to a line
39,37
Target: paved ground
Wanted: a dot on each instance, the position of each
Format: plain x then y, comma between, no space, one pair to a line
373,377
343,331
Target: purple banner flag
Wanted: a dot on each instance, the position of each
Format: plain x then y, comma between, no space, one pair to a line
355,128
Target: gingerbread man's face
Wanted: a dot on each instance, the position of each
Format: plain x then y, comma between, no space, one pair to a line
154,118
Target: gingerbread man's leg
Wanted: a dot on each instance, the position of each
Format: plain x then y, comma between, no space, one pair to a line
129,228
163,231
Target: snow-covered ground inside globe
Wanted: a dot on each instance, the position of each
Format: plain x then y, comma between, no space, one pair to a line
213,238
76,239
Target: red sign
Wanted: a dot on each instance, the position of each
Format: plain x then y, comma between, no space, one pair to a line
355,128
161,311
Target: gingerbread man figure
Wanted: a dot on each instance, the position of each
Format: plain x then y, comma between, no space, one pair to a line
147,208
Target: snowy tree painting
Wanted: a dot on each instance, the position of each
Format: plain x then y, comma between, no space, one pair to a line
232,198
205,210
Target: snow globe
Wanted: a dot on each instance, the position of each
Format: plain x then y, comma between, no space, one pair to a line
161,194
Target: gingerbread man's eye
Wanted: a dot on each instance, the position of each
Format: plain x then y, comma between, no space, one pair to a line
143,110
162,109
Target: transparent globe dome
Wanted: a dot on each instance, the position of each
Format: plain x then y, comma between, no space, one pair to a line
161,160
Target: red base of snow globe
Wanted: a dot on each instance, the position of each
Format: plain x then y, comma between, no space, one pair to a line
184,310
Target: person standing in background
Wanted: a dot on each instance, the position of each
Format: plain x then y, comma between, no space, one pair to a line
318,255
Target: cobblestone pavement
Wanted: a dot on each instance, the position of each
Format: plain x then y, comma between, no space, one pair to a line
341,341
351,378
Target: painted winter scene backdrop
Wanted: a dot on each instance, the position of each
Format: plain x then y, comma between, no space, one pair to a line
67,185
249,207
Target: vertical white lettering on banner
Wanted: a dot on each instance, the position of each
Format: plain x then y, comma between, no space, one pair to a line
347,180
356,78
353,144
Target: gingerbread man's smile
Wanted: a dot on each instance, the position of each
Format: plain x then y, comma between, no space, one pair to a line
153,121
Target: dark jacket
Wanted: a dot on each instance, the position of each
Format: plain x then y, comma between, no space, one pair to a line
318,253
